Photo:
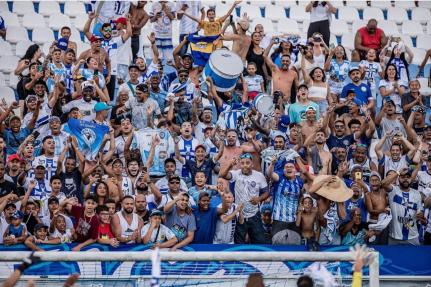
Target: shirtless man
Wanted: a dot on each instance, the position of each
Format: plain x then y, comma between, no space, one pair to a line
186,62
241,41
253,146
96,52
231,151
323,165
306,220
310,124
282,78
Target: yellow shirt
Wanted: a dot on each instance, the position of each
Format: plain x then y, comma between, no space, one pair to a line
357,279
211,28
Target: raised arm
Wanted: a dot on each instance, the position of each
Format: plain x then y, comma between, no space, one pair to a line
224,17
87,25
379,146
128,33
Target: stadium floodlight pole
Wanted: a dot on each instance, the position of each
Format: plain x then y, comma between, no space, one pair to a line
270,256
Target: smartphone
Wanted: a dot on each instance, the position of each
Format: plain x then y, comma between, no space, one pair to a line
35,134
358,175
96,72
40,68
277,40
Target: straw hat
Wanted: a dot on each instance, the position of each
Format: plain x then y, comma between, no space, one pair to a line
336,191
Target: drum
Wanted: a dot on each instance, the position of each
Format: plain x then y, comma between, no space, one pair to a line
264,104
224,67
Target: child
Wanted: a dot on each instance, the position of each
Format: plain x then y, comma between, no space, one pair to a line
58,229
252,84
16,232
372,71
355,58
307,220
200,180
156,233
105,235
40,237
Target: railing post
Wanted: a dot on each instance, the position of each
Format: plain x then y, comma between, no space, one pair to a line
374,271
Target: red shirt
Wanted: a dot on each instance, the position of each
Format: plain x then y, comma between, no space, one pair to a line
105,231
372,41
85,227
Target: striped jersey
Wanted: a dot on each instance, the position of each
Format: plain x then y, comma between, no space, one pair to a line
404,206
187,151
286,198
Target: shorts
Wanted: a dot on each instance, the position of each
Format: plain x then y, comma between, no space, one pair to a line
166,48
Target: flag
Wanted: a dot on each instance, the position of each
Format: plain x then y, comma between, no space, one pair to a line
201,47
89,136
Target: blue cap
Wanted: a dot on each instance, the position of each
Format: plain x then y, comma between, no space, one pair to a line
284,122
62,43
101,106
266,207
156,212
17,214
178,87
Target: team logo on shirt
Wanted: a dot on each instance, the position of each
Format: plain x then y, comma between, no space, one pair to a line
363,89
88,135
253,184
161,135
346,142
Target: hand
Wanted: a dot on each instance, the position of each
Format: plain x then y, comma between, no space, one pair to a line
237,2
274,158
152,37
71,280
234,161
254,200
114,242
14,105
150,110
241,207
92,15
145,176
153,223
173,248
181,11
32,184
76,248
108,79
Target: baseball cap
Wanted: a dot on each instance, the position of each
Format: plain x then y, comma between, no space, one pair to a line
266,207
284,122
95,38
302,86
29,97
54,118
156,212
87,84
142,87
53,199
121,20
388,100
62,44
40,226
101,106
17,214
187,55
354,68
38,163
13,157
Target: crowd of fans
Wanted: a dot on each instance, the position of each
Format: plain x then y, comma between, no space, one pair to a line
343,157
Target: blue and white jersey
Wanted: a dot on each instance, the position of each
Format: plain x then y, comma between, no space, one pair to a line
339,72
50,164
187,151
60,71
401,69
286,198
229,115
404,206
372,72
2,23
162,185
60,142
70,88
41,191
111,46
42,120
88,74
190,89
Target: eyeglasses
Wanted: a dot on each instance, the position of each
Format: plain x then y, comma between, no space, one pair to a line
174,182
107,30
246,155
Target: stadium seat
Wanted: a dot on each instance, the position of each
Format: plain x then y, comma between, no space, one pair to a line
337,4
2,80
405,4
424,4
412,28
348,41
418,55
21,47
407,40
275,12
288,26
348,14
397,14
6,48
47,8
43,35
373,13
260,4
425,89
429,27
252,11
357,4
389,27
56,21
298,13
222,9
381,4
8,94
285,4
304,27
23,7
76,35
422,15
265,22
33,20
358,25
423,42
13,80
8,64
3,7
75,8
16,34
81,47
339,27
11,19
79,21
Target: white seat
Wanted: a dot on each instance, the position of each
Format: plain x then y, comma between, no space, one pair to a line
389,27
8,94
348,14
424,90
75,34
33,20
288,26
260,4
357,4
381,4
424,4
4,7
304,27
47,8
358,25
348,41
43,35
421,14
8,64
81,47
337,4
251,10
405,4
74,8
429,27
418,55
13,80
6,48
285,4
21,47
11,19
397,14
275,12
79,21
23,7
56,21
373,13
339,27
412,28
298,13
222,9
333,40
2,80
407,40
15,34
265,22
423,41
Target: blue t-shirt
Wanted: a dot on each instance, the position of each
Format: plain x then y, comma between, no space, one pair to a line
363,92
345,141
350,204
205,225
14,140
286,198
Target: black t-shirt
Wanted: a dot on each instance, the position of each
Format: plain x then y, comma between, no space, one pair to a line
30,221
7,187
344,141
72,184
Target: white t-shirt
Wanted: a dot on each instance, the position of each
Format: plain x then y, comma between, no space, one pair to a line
86,109
50,164
394,96
187,25
246,187
224,233
163,26
424,182
372,71
112,47
164,234
404,206
254,83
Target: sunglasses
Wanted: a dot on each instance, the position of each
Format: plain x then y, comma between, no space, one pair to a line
107,30
246,155
174,182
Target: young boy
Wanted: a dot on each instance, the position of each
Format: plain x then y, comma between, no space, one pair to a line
40,237
252,84
307,221
156,233
16,232
201,186
105,235
225,226
59,229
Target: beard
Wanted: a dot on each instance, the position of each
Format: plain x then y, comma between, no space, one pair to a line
128,210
